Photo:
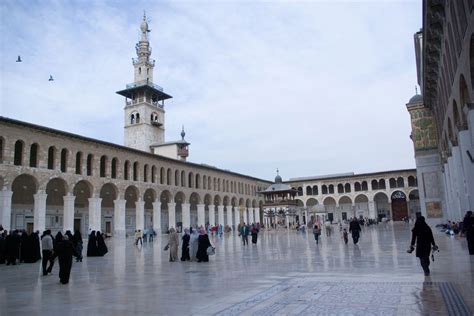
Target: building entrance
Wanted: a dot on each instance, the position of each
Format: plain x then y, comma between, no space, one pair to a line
399,206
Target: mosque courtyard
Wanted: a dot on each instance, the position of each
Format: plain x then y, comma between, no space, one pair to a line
285,273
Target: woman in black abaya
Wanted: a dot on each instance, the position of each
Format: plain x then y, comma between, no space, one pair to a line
423,236
92,250
64,252
101,246
203,244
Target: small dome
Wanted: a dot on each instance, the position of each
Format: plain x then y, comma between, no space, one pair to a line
144,26
278,178
416,98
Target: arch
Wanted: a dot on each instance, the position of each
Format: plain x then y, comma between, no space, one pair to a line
382,205
131,197
414,195
153,174
340,188
63,161
399,205
168,176
357,187
137,118
18,155
79,162
311,202
233,201
400,182
254,203
456,117
113,168
374,184
345,200
126,170
190,180
329,200
299,203
207,199
149,197
382,185
177,178
209,183
300,191
241,202
51,157
309,190
324,189
136,171
364,186
217,199
329,204
331,189
195,198
225,200
165,197
204,182
56,188
412,182
180,197
247,203
393,183
361,198
162,175
108,194
315,190
347,188
103,166
89,167
198,181
34,155
82,191
24,187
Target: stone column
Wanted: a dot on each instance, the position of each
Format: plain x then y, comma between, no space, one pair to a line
39,212
229,215
186,213
68,219
157,217
6,209
372,209
119,218
212,215
140,215
455,203
257,215
245,216
460,182
201,210
171,215
467,144
251,217
236,217
95,215
220,211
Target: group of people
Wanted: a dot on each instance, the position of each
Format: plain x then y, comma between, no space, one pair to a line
19,246
354,229
147,235
96,246
195,245
245,230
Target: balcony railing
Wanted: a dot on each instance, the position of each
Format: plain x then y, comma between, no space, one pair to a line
144,83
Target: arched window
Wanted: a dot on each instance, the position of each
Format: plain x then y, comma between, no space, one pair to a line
34,155
324,189
162,175
393,183
412,181
382,184
209,181
126,170
300,191
135,171
139,70
204,182
309,190
400,182
18,159
1,148
357,187
347,188
198,181
113,168
145,173
89,164
315,190
51,157
64,160
340,188
153,174
365,186
176,178
103,162
218,184
79,163
331,189
132,118
374,184
168,177
190,179
137,118
183,179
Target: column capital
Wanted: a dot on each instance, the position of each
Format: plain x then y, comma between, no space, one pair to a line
157,204
201,206
69,198
120,201
185,205
140,202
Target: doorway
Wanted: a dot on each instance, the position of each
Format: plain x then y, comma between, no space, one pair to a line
399,206
77,224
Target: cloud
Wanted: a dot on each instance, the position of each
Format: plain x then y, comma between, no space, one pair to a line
309,87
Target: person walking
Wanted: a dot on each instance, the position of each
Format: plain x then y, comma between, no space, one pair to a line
101,246
345,236
77,243
64,252
203,244
47,246
244,232
423,236
138,237
254,233
193,244
173,243
185,246
354,229
468,230
12,247
316,233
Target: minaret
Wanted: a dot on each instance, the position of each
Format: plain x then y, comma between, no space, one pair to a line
144,100
183,147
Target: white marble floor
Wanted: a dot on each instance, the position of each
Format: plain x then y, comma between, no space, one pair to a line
286,273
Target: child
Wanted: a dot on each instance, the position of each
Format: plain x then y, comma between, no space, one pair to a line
344,235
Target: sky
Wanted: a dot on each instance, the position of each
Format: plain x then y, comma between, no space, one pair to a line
308,87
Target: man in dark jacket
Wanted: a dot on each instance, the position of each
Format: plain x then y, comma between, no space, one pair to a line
354,229
423,236
468,230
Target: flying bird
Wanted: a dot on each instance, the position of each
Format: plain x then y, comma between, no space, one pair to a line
50,78
19,59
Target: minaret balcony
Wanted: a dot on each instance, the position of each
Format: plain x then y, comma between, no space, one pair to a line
144,83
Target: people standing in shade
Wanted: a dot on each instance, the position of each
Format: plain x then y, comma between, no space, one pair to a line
316,233
173,243
92,250
77,243
47,246
185,246
354,229
12,247
423,236
24,247
3,254
64,252
101,246
193,244
254,233
203,244
468,230
35,247
244,233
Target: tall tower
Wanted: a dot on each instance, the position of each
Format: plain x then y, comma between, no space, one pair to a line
144,100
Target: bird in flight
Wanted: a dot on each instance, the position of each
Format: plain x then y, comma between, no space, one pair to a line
19,59
50,78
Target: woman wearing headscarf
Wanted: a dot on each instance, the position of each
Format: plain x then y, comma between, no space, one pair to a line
24,248
64,252
185,246
77,244
193,244
92,250
423,236
35,245
101,246
254,233
173,243
203,244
